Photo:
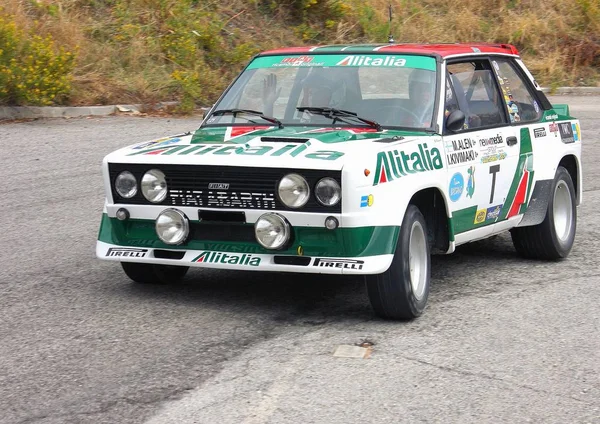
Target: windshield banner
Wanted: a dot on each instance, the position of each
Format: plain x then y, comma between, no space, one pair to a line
339,60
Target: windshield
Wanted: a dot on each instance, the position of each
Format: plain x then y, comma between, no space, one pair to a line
392,90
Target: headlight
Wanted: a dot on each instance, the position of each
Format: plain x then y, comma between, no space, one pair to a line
126,185
328,192
172,226
293,191
154,186
272,231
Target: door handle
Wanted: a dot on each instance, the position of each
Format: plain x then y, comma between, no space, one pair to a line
511,141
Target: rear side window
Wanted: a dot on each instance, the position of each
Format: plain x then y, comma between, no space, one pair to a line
520,103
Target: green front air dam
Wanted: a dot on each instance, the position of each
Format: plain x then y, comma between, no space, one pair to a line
342,242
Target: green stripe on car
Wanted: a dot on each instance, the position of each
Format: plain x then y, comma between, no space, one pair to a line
342,242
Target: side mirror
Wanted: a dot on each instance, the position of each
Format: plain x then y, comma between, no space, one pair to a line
455,121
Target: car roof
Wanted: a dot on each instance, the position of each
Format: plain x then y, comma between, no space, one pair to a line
442,50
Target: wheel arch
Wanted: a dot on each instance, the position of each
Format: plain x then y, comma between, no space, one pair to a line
542,192
434,207
571,164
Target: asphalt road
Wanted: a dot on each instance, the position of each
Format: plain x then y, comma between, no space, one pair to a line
503,339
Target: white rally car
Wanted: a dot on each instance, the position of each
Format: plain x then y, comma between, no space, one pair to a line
352,159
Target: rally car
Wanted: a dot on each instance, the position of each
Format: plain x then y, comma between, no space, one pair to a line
355,160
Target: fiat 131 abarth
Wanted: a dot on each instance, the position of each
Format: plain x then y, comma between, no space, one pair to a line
353,160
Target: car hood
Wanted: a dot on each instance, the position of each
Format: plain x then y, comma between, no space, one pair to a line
260,146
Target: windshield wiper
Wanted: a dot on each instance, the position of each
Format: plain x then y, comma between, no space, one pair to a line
235,112
338,115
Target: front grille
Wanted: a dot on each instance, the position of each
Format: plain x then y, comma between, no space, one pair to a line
234,187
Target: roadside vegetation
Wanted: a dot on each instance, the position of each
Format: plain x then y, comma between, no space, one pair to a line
130,51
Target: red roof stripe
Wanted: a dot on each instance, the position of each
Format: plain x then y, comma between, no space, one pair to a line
439,49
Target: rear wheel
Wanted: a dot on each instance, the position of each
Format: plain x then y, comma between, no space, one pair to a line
401,292
154,274
554,237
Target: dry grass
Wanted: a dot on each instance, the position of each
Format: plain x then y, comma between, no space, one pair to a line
121,53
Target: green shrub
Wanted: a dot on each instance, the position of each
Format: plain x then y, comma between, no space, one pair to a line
33,71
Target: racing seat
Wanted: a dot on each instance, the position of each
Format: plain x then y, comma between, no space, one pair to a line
472,120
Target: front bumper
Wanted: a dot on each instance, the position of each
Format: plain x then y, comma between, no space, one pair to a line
361,250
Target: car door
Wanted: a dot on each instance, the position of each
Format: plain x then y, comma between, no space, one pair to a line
478,155
523,111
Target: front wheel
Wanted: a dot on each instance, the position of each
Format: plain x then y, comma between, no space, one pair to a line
554,237
401,292
153,273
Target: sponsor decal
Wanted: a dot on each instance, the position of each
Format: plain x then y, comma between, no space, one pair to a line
395,164
366,201
297,60
539,132
535,103
372,61
551,117
457,186
338,263
480,216
491,141
222,199
553,127
462,151
487,214
227,258
493,157
475,50
218,186
492,149
493,212
576,132
157,143
566,132
126,252
234,149
513,110
471,182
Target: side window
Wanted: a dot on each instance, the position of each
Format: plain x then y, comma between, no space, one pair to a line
476,94
451,103
520,104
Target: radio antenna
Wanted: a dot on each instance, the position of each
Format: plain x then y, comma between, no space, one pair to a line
390,36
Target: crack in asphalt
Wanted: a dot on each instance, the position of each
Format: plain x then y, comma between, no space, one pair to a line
493,378
107,406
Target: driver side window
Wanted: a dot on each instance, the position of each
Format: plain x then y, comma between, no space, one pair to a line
476,94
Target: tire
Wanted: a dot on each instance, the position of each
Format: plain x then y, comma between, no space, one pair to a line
154,274
399,293
554,237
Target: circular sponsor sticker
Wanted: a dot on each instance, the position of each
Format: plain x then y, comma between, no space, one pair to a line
457,185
